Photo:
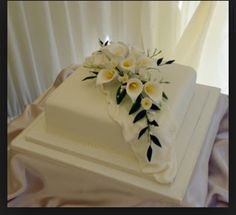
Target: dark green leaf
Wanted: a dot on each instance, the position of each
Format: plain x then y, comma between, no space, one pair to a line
155,107
120,94
100,42
164,96
89,77
159,61
153,123
140,115
142,132
120,72
135,107
143,81
94,72
106,43
149,153
155,140
170,61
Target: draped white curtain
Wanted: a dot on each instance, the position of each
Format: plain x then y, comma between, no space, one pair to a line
44,37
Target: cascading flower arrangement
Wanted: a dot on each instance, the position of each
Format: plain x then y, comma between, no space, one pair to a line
116,61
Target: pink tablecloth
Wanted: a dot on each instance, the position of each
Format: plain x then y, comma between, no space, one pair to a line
25,186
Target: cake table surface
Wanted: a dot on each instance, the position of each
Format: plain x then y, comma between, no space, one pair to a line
78,176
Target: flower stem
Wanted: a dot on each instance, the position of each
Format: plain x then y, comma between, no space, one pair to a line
149,129
120,72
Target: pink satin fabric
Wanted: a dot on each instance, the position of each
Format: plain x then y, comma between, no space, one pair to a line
28,188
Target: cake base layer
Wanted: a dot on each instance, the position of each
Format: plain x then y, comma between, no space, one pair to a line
36,141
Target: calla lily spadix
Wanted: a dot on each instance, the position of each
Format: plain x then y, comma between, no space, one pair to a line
146,103
154,91
133,88
127,65
106,75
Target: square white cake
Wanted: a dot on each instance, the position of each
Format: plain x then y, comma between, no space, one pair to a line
88,111
92,129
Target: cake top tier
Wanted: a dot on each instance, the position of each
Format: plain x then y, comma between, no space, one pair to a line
86,98
120,97
128,72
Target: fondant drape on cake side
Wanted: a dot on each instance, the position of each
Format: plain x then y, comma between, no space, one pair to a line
163,165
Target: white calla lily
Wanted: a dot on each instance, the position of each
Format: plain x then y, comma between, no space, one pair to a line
117,51
145,61
106,75
146,103
134,88
127,65
154,91
98,60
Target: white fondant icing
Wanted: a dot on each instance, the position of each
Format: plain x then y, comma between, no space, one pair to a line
79,110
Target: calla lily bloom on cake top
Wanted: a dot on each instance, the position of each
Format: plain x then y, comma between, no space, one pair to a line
132,70
127,65
134,88
154,91
106,75
146,103
117,51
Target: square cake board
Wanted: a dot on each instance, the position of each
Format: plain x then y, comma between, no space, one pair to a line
195,131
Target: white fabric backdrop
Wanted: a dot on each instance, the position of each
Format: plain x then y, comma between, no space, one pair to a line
44,37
